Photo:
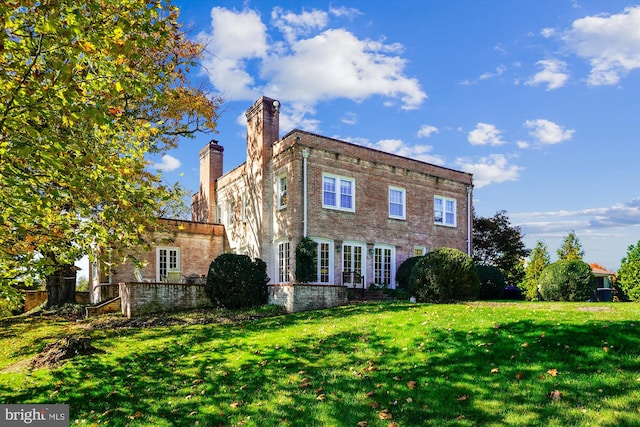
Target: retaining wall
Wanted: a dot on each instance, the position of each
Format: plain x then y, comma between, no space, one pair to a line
141,298
303,297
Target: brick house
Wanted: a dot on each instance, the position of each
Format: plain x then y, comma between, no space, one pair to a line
367,210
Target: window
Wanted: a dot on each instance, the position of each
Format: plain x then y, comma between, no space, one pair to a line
323,258
397,202
282,191
231,208
352,264
167,259
419,250
444,211
337,192
283,262
384,265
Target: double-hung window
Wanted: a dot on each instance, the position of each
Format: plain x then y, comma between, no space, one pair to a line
338,192
444,211
397,205
282,191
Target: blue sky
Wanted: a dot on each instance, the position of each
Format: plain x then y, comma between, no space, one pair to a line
540,100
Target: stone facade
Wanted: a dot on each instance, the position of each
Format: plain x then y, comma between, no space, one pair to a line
297,297
142,298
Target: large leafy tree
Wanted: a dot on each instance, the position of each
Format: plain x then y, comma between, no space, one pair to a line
496,242
87,91
538,261
629,273
571,248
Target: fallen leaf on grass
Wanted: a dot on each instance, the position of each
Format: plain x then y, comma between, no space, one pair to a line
460,417
392,424
371,394
555,395
235,405
321,397
605,349
135,416
411,384
553,372
463,397
519,375
363,424
495,370
385,415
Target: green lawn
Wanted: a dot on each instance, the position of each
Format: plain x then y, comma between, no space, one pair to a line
478,364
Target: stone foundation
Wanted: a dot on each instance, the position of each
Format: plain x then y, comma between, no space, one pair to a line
141,298
302,297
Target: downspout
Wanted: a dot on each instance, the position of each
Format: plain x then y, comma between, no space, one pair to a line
305,155
469,220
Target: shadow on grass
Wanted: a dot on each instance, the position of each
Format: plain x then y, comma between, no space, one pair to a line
340,367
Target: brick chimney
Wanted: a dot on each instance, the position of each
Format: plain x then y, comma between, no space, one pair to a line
203,202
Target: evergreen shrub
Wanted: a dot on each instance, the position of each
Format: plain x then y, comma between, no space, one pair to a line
567,280
404,273
492,282
236,281
445,275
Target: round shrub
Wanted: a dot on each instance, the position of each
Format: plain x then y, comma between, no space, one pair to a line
236,281
567,280
445,275
491,282
404,273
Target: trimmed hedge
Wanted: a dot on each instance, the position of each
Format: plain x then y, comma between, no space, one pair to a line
492,282
445,275
567,280
403,275
236,281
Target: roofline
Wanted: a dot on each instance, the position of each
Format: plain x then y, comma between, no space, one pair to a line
373,150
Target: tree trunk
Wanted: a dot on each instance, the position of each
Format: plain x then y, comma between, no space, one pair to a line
61,285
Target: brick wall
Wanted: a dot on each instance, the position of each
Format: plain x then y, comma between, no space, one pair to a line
199,244
298,297
373,171
141,298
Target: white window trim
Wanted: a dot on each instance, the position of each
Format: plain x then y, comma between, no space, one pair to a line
403,191
338,205
421,248
288,267
392,267
444,212
279,194
318,241
178,260
363,248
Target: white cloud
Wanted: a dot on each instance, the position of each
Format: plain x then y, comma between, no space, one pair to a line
349,118
426,131
547,32
498,72
400,148
485,134
617,215
553,74
349,12
313,63
294,25
167,164
611,44
493,169
548,132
